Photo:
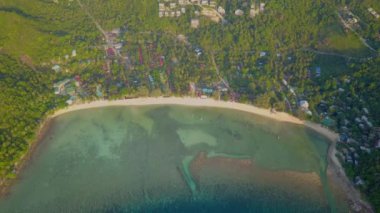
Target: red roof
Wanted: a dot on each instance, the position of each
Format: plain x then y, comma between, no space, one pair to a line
110,52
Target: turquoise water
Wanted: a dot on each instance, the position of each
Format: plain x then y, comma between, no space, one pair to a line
174,159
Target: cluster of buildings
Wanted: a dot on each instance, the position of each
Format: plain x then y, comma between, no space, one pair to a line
358,135
349,19
373,12
208,8
176,8
57,67
255,10
113,43
69,87
170,9
205,91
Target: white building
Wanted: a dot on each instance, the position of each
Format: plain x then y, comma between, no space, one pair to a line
195,23
74,53
304,104
239,12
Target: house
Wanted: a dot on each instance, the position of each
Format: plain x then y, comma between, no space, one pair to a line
99,92
263,54
192,87
374,13
70,101
56,68
359,181
262,7
318,72
363,148
207,90
118,46
111,52
239,12
183,2
198,51
327,121
78,81
151,80
292,91
116,31
343,138
304,104
204,2
161,6
377,144
364,118
59,87
221,11
74,53
366,111
254,11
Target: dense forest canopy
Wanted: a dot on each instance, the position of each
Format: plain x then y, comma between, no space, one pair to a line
323,51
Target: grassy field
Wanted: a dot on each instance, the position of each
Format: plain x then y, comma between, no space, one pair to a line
19,37
336,40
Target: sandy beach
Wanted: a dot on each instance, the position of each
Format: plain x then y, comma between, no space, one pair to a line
335,169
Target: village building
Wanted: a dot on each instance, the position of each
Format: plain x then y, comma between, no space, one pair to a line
377,144
198,51
254,11
210,13
365,110
195,23
183,2
192,88
363,148
70,101
359,181
239,12
374,13
318,72
56,68
74,53
59,87
262,7
116,31
221,11
304,105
